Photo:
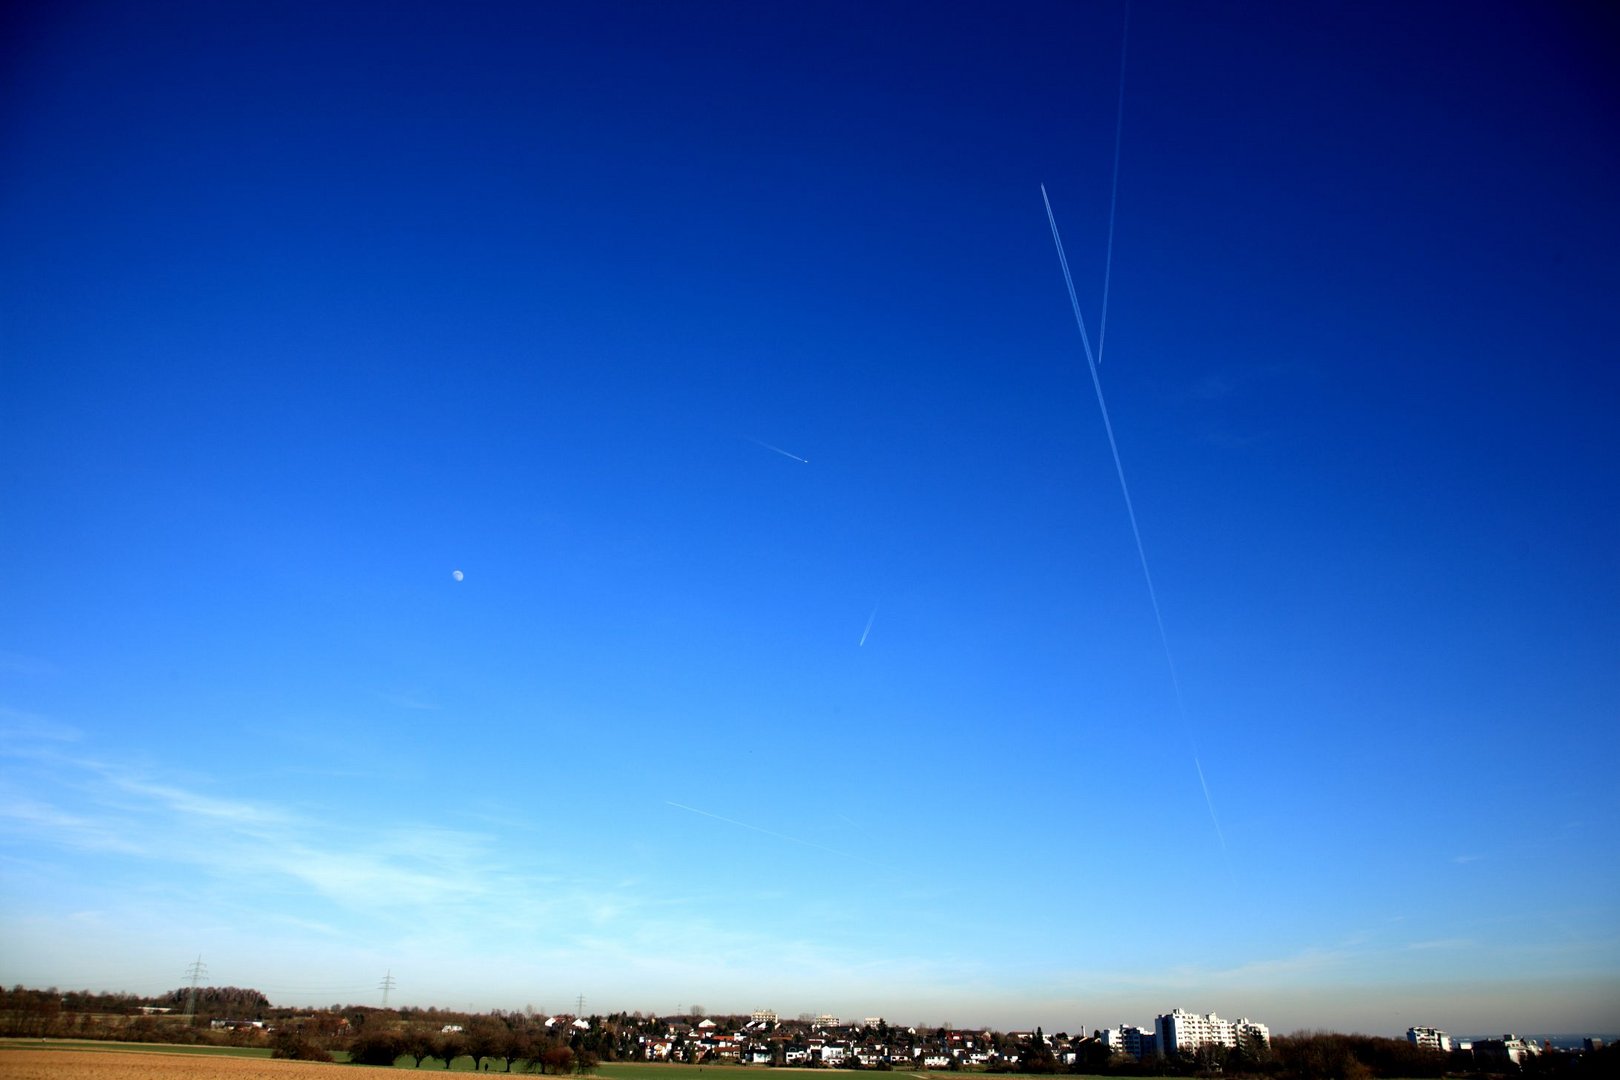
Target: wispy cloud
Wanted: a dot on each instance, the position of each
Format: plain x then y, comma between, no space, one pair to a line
1442,943
16,663
406,871
18,727
189,803
393,886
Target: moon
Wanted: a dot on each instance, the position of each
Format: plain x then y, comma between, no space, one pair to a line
457,574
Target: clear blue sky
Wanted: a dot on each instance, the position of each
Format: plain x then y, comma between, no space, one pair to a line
306,306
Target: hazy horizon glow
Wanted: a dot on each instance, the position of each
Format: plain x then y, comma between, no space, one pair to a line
452,461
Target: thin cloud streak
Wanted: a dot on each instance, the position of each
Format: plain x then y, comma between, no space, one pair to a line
407,872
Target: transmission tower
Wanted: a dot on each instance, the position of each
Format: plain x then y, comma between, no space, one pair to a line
386,985
196,971
579,1005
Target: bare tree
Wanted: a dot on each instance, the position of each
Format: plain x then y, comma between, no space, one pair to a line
449,1046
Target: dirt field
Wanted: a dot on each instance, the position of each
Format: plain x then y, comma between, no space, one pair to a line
99,1065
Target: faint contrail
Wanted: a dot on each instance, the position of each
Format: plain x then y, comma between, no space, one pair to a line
869,619
767,832
1209,802
1130,510
779,450
1113,197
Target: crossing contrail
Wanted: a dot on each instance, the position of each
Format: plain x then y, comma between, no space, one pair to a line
1130,510
1113,197
779,450
869,619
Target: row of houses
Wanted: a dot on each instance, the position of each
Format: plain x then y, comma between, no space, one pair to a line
827,1041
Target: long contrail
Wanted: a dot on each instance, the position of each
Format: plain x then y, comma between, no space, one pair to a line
1130,510
779,450
869,619
1113,197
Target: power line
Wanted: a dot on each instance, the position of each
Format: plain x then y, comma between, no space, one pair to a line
386,985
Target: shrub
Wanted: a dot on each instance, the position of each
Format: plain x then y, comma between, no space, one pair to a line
293,1045
376,1048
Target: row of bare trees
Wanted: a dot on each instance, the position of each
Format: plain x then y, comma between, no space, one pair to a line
483,1039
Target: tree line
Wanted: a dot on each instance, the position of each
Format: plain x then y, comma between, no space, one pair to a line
484,1038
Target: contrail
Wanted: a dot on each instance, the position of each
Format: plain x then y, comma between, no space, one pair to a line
767,832
869,619
779,450
1209,802
1130,510
1113,197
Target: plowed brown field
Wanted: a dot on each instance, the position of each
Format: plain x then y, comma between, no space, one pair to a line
103,1065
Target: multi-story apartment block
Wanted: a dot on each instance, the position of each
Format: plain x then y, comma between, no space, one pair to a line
1252,1036
1178,1030
1428,1038
1130,1039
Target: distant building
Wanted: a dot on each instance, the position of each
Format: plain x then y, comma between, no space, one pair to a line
1509,1048
1128,1039
826,1020
1252,1036
1178,1030
765,1016
1428,1038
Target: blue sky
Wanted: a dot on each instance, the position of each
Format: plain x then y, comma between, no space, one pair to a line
305,308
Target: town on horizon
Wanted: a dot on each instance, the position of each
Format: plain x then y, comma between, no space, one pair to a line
762,1037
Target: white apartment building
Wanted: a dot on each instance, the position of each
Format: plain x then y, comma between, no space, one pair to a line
1252,1036
1127,1038
1178,1030
765,1016
1428,1038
